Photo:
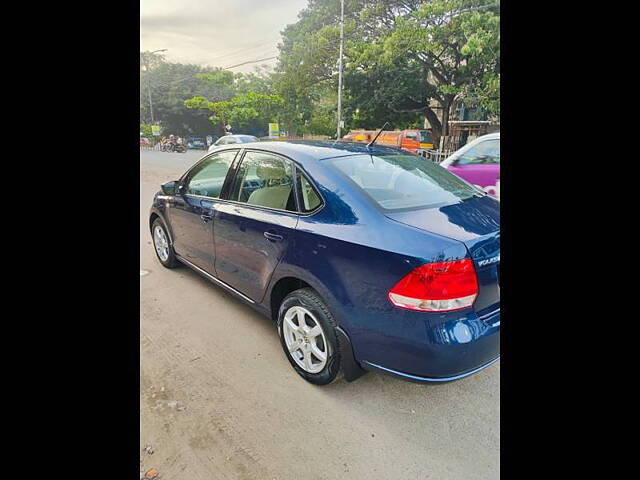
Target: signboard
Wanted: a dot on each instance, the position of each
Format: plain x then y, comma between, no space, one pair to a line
274,130
155,130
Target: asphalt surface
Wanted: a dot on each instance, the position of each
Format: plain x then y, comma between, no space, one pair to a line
219,400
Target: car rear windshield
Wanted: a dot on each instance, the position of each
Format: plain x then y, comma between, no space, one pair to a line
397,182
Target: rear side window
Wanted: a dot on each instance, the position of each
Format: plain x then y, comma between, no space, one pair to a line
482,153
310,198
264,180
398,182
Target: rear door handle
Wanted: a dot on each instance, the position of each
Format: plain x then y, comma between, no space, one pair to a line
205,218
274,237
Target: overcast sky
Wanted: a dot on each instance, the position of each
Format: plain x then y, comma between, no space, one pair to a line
215,32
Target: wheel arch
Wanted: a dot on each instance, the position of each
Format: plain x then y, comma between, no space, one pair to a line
153,216
281,288
288,283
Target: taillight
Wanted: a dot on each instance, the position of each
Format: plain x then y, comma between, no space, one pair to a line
437,287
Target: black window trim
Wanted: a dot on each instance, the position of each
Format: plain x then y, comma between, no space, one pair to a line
300,196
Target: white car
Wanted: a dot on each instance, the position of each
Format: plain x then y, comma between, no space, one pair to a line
229,139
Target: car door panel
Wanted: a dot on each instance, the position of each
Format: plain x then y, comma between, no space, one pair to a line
480,175
191,220
250,242
256,226
191,214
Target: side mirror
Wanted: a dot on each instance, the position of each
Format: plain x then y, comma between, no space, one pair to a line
169,188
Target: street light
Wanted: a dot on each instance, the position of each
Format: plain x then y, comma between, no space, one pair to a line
340,71
146,66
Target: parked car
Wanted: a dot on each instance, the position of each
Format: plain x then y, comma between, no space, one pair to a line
231,139
364,258
197,143
478,162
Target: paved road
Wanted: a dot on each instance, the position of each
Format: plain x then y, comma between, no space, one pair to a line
242,412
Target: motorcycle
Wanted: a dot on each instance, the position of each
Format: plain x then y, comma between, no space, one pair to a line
173,147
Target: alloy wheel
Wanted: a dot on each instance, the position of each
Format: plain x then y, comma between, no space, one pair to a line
161,243
305,339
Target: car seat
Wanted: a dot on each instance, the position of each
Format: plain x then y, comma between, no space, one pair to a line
275,196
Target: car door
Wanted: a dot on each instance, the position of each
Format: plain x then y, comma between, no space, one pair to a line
480,165
256,225
191,213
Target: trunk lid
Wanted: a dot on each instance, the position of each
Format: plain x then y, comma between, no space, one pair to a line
476,223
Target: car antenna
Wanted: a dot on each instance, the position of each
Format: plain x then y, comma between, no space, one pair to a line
377,135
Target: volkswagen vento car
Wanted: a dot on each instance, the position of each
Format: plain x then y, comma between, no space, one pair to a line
366,258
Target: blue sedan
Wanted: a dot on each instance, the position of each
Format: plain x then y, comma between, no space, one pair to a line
366,258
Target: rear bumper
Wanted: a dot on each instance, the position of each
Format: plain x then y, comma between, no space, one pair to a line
418,379
428,348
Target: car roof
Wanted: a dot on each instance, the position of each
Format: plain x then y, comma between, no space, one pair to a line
490,136
319,149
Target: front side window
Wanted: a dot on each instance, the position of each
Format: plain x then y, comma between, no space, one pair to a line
397,182
208,177
482,153
264,180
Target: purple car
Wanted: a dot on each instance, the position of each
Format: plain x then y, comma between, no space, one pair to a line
478,163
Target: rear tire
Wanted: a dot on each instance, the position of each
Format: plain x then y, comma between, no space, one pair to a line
308,335
162,244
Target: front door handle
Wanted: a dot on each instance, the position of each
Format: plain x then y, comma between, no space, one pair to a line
205,218
274,237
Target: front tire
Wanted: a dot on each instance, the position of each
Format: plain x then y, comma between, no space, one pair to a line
162,245
308,336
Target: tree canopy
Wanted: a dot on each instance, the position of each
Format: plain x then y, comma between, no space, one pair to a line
404,61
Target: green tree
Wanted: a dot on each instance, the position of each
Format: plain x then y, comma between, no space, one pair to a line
146,131
454,44
171,84
247,112
404,59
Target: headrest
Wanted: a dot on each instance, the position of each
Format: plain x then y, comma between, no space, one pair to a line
269,172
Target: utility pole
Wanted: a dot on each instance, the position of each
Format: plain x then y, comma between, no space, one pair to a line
146,66
338,136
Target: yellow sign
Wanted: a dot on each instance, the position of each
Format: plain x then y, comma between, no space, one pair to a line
274,130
